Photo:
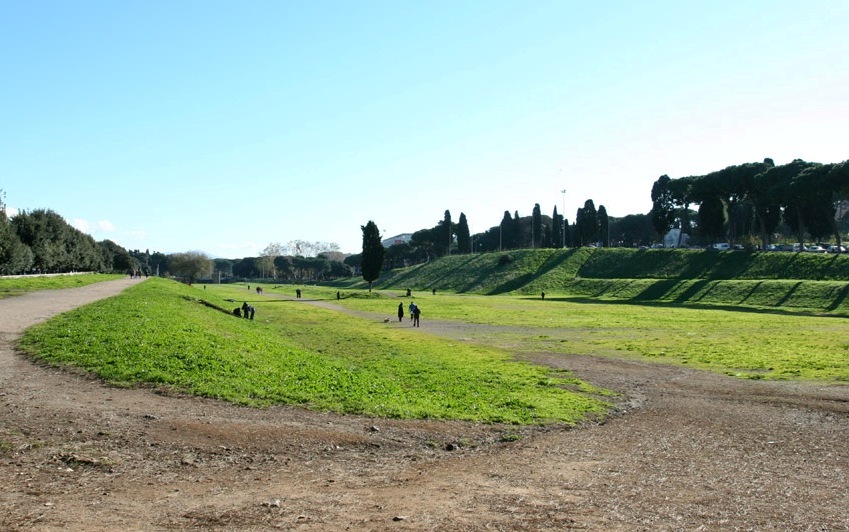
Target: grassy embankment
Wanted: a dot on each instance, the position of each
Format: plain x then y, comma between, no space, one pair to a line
157,333
791,281
14,286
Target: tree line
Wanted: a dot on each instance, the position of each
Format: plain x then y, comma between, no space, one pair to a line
41,241
751,201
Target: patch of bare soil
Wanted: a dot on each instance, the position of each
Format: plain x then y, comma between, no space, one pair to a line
686,450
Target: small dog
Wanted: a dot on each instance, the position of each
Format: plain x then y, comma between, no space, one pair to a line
385,320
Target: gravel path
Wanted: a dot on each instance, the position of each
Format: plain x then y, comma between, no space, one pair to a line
688,450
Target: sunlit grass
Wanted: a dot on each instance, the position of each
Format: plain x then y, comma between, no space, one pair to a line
294,353
13,286
750,343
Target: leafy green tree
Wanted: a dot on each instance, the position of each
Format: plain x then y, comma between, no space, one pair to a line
813,201
284,267
733,185
587,224
464,239
603,226
55,245
519,236
447,233
222,268
505,232
663,205
633,230
838,178
556,229
116,258
190,266
354,262
373,253
245,267
536,227
424,240
681,190
15,257
712,218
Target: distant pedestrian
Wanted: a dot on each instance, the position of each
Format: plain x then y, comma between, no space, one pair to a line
543,295
246,310
338,295
400,311
298,293
412,310
252,309
434,291
417,312
409,292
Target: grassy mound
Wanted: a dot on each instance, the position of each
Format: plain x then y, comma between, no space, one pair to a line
157,333
795,281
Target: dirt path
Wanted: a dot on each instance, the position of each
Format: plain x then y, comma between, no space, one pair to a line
689,451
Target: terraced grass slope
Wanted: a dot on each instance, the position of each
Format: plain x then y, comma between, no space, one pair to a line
794,281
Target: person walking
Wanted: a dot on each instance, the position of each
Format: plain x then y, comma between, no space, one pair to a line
400,311
412,308
417,312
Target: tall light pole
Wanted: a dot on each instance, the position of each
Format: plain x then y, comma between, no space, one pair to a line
563,215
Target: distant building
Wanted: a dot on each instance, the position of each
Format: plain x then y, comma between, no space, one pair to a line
671,239
403,238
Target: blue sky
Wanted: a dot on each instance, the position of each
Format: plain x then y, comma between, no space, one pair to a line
225,126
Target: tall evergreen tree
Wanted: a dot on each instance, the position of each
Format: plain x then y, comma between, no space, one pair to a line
15,257
556,229
519,238
505,237
373,253
603,226
663,207
587,224
447,232
464,239
536,227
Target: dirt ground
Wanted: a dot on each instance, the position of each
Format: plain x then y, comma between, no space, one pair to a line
686,450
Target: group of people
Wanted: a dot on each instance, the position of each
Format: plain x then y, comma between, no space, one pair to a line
415,313
246,311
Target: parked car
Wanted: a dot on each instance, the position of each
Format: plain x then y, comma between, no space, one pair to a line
836,249
815,249
722,246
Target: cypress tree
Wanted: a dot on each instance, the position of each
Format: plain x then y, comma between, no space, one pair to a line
373,253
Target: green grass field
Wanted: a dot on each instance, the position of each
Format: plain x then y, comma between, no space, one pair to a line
13,286
294,353
745,342
157,333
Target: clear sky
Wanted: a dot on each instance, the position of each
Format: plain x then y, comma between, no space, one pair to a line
225,126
